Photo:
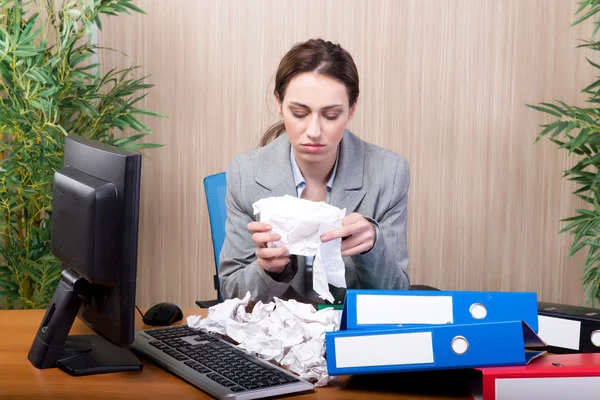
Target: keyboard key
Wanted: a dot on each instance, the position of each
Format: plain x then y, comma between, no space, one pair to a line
202,370
191,363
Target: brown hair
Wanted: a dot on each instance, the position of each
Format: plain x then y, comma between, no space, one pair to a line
315,55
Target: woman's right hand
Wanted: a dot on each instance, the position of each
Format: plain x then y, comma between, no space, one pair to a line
272,260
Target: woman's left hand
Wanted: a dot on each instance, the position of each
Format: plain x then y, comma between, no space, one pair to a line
357,233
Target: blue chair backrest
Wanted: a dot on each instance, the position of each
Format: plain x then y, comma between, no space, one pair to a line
215,187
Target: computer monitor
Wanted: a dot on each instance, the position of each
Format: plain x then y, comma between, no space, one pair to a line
95,213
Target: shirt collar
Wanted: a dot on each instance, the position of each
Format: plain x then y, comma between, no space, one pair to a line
299,179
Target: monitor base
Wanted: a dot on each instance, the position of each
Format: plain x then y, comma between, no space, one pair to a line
96,355
76,355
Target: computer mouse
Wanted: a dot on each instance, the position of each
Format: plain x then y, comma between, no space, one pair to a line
162,314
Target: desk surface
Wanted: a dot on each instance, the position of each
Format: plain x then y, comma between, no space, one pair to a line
20,380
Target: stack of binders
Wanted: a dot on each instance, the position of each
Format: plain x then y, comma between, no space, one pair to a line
396,331
569,329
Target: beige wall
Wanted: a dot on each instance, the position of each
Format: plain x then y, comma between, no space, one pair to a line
443,83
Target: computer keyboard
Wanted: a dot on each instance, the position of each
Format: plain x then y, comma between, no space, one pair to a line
214,365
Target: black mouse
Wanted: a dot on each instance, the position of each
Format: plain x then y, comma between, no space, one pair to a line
162,314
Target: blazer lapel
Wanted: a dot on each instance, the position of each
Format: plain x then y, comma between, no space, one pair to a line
347,191
274,172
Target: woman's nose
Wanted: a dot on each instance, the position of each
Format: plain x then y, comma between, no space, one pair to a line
314,129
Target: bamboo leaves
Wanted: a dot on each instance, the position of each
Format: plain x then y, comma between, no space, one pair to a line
577,129
49,88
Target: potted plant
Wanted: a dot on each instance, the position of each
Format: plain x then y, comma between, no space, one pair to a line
577,130
50,88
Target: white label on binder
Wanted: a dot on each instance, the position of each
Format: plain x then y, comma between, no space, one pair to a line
580,388
388,309
559,332
391,349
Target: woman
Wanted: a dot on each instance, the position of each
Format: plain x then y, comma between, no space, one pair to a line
311,154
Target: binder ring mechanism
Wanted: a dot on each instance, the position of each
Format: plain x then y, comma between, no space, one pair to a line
478,311
459,345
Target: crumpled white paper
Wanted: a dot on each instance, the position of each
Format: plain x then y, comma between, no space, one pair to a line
193,321
301,223
288,332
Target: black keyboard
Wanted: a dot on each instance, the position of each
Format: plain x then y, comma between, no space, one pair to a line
214,365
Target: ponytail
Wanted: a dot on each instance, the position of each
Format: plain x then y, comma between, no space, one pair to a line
272,133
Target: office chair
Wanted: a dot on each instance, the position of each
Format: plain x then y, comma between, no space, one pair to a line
215,187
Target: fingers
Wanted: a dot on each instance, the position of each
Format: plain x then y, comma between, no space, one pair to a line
261,238
256,226
357,232
338,233
357,244
274,265
351,242
351,225
274,252
261,233
270,259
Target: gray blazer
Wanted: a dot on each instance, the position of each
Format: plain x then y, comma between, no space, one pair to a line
369,180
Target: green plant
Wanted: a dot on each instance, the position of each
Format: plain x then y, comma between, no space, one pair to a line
577,129
49,89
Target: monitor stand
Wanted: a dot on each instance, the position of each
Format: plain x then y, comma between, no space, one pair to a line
80,354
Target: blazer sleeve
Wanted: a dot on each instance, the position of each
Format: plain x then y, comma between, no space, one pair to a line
239,271
385,266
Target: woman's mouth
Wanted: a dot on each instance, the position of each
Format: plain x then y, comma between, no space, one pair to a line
313,147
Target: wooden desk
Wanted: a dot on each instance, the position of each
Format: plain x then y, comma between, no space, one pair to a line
20,380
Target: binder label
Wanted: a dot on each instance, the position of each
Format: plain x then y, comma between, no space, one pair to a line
389,309
378,350
559,332
583,388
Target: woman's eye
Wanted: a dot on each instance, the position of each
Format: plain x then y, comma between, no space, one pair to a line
298,115
331,117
